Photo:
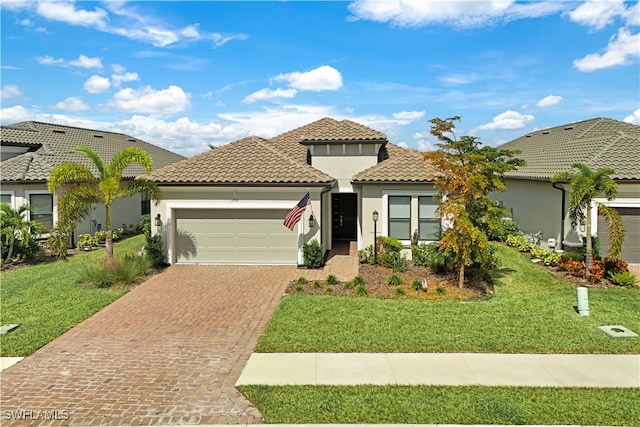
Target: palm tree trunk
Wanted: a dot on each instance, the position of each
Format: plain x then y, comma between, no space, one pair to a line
589,251
10,254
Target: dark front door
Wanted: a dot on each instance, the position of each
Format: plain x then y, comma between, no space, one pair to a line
344,209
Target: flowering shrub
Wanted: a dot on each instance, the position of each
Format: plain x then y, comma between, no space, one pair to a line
612,266
596,272
576,268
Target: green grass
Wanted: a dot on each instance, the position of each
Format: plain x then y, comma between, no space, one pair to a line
46,300
532,311
445,405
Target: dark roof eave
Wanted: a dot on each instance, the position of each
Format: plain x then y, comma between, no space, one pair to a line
245,184
343,141
392,181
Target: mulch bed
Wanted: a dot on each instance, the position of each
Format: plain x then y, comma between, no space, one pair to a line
439,286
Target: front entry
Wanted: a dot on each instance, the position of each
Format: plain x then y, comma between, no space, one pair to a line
344,211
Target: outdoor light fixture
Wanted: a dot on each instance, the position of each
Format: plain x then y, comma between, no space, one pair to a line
312,220
158,221
375,233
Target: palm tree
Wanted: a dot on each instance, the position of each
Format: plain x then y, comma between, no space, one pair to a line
586,184
14,225
86,189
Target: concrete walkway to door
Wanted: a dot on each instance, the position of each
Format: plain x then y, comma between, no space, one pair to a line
168,352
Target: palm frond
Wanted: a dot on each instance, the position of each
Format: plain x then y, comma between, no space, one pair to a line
69,173
75,205
94,157
139,186
616,230
126,157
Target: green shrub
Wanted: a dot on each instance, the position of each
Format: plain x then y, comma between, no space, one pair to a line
397,261
332,279
440,290
503,229
366,255
302,280
349,285
361,290
538,253
98,275
316,285
299,288
389,251
59,241
623,278
86,241
131,268
359,280
431,256
395,280
399,291
416,285
313,254
154,249
328,290
551,258
612,266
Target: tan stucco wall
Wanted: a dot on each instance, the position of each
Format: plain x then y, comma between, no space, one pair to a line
343,161
537,206
124,211
236,198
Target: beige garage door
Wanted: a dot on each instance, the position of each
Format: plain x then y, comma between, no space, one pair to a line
631,220
243,236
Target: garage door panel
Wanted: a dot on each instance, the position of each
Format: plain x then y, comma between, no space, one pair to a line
235,237
631,220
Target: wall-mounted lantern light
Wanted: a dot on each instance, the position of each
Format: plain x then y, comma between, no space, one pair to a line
312,221
158,221
375,232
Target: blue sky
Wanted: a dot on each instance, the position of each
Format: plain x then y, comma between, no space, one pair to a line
183,75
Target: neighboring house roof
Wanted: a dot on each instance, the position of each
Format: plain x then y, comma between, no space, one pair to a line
598,143
400,165
249,160
50,145
283,159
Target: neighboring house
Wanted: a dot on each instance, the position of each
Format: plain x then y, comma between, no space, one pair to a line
228,205
30,151
538,205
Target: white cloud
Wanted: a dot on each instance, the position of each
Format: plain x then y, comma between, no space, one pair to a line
96,84
118,69
15,114
268,94
597,14
509,120
117,79
621,50
16,4
147,100
10,91
73,104
66,12
322,78
403,144
84,61
48,60
408,115
549,101
458,14
633,118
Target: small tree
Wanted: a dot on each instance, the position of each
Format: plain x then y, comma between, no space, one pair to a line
467,172
87,189
585,185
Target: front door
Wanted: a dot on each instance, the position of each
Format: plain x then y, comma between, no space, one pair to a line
344,210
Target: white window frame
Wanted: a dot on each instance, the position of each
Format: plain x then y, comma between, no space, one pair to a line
414,194
13,197
29,193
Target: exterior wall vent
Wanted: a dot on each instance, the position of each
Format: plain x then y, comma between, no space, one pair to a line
98,136
58,131
545,133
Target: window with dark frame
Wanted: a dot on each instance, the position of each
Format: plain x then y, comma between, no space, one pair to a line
400,217
41,209
145,205
429,224
5,198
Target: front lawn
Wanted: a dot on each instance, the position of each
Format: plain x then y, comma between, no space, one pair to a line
46,300
532,311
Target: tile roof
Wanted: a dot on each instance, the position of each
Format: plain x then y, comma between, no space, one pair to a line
283,159
249,160
50,145
345,131
598,143
400,165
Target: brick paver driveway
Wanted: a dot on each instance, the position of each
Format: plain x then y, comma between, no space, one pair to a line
168,352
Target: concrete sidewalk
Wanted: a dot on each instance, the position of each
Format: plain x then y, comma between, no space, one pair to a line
529,370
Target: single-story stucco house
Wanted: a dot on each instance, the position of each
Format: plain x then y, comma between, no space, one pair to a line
228,205
30,151
539,205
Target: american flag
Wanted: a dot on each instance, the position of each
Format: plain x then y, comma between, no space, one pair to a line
295,214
